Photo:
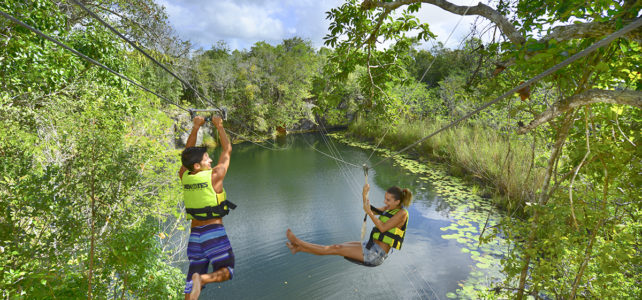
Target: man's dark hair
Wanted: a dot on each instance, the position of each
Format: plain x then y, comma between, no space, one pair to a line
191,156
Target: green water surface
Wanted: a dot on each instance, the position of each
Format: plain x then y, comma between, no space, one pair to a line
318,197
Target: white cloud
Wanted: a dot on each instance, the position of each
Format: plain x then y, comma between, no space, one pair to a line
444,24
242,23
236,22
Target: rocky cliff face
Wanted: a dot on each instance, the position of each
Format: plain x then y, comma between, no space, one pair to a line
182,129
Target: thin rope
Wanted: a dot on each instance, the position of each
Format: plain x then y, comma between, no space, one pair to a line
555,68
423,75
341,167
333,148
335,158
344,169
201,97
337,153
413,285
426,281
87,58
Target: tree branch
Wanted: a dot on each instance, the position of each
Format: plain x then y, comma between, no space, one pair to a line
480,9
631,98
373,36
559,33
589,30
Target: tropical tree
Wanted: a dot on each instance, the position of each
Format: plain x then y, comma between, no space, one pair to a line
589,117
87,168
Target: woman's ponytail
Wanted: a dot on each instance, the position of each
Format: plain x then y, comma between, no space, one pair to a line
406,197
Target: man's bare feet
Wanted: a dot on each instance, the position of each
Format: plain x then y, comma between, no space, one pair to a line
293,248
196,286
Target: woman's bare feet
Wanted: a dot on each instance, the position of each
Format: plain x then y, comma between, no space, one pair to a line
196,286
293,248
294,242
293,239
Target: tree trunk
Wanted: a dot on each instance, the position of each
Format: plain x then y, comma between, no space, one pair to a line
543,198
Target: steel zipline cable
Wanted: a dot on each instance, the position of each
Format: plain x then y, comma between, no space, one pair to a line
626,29
122,36
99,64
87,58
422,76
184,82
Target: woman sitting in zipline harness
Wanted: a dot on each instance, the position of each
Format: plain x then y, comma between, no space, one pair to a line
389,231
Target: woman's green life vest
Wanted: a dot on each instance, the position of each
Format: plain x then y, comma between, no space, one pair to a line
393,237
201,201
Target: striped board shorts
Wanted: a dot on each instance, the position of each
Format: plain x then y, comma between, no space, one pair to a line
208,245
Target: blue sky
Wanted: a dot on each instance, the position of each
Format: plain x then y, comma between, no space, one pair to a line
241,23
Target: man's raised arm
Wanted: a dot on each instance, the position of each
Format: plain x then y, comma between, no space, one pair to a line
191,140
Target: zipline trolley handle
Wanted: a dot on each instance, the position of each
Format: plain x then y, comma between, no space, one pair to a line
221,112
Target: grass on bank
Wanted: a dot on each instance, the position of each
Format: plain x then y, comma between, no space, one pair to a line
508,168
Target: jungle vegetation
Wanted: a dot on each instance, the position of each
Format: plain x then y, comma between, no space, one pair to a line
88,160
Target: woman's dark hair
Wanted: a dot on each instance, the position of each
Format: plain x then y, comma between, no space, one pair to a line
404,195
191,156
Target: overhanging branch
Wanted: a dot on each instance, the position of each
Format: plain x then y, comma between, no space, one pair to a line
559,33
589,30
631,98
479,10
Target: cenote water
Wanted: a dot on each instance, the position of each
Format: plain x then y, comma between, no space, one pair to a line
319,199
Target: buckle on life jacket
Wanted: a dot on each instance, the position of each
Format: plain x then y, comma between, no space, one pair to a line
219,210
396,239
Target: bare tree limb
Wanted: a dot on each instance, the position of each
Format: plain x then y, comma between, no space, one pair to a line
559,33
631,98
480,9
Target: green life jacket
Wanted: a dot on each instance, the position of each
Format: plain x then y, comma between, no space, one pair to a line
393,237
201,201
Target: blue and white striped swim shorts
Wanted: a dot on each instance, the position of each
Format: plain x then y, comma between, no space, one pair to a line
208,245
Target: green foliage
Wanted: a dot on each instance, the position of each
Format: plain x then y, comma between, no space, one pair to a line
431,67
350,30
84,158
264,88
566,236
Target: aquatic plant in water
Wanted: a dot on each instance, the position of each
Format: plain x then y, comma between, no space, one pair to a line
471,217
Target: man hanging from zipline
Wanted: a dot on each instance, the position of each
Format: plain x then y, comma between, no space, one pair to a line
206,204
389,231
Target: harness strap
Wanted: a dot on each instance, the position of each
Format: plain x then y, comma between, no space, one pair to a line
211,210
395,238
376,210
